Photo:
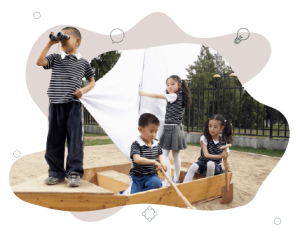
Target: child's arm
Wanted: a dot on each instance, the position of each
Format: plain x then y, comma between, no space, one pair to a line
157,96
80,91
144,161
41,58
162,163
211,156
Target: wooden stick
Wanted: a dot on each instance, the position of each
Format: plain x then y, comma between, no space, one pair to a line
225,162
177,191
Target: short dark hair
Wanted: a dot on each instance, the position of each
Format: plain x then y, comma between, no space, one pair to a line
75,31
147,118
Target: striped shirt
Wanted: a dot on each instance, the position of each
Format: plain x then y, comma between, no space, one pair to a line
174,110
66,76
140,148
214,149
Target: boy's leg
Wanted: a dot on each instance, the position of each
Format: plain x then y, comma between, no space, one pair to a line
137,184
55,147
151,182
75,139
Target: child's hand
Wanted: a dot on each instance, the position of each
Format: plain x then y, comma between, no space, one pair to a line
158,166
224,154
164,167
51,42
141,92
79,93
227,167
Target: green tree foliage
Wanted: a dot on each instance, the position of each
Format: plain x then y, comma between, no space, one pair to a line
211,96
104,63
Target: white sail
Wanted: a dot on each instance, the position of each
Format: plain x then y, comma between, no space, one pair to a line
114,101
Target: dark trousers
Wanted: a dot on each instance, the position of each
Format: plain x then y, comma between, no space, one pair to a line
65,121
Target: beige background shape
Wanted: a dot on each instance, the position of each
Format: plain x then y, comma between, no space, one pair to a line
247,59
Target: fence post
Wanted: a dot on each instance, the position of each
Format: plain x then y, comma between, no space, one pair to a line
188,114
271,123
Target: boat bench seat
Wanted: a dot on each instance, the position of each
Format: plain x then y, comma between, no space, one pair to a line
113,180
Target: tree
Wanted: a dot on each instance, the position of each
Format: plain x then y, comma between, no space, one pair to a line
103,63
211,96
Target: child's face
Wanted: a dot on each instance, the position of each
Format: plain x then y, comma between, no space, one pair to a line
215,128
69,46
172,85
149,132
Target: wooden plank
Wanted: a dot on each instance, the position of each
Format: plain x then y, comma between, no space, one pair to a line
184,164
90,173
37,185
194,191
113,180
74,202
124,168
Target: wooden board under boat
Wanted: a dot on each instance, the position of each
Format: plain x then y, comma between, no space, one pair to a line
100,185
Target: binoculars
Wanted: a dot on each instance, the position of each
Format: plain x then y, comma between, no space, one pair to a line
60,36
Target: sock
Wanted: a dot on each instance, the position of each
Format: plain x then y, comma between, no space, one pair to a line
167,161
191,172
210,171
177,164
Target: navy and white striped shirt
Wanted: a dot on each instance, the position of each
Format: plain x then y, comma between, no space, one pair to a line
66,76
213,149
139,147
174,110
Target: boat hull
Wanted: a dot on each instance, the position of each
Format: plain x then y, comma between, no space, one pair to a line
200,189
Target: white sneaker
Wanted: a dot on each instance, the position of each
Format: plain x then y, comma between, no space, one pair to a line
177,182
165,183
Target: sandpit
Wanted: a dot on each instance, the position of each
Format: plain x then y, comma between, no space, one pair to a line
249,171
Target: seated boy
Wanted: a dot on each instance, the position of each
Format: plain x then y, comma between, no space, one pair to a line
146,157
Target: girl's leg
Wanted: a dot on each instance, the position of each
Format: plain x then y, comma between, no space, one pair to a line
191,172
167,161
177,164
210,171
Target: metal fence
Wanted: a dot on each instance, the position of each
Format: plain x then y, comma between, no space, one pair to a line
228,97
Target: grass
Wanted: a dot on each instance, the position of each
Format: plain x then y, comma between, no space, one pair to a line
268,152
261,134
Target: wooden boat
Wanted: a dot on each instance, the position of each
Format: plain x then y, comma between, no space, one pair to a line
100,186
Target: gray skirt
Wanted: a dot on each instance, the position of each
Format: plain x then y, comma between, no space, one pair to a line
173,138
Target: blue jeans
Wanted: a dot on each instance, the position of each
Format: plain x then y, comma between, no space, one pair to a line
144,183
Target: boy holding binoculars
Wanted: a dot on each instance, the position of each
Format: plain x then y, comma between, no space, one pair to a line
65,109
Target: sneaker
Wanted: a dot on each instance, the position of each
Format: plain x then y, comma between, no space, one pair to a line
74,180
52,180
177,182
165,183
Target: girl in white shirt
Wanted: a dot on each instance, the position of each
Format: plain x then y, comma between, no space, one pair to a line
211,155
178,97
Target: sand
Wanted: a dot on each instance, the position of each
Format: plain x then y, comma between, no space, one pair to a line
249,171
